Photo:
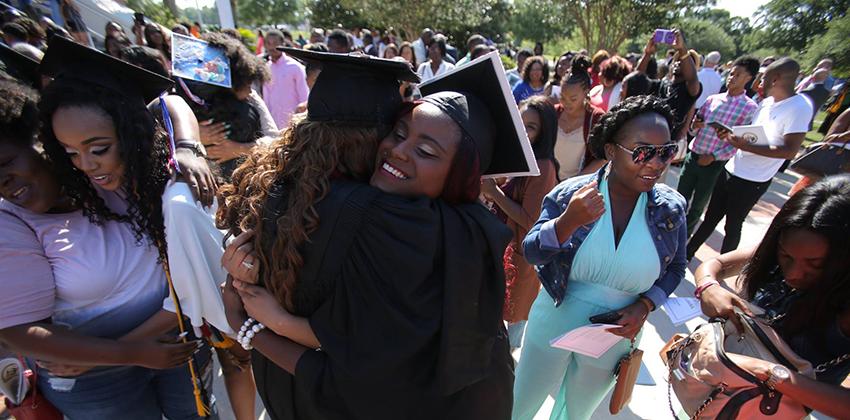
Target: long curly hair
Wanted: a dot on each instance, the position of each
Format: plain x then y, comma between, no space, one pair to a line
305,159
606,130
142,146
821,208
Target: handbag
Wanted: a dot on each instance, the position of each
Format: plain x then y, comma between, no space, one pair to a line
34,406
626,372
711,386
823,159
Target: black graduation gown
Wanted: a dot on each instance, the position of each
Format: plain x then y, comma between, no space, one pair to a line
405,296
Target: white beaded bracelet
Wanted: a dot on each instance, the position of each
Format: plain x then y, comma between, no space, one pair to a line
246,336
245,327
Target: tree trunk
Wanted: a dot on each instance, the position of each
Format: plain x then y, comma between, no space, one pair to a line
234,6
172,6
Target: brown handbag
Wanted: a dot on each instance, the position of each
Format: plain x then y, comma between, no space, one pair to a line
626,372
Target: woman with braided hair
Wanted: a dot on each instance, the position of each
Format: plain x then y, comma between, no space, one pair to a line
590,245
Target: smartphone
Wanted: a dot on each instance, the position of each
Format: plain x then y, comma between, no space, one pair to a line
664,36
719,126
606,318
139,17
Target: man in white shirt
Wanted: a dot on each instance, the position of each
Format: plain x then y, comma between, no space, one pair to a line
785,117
420,46
711,81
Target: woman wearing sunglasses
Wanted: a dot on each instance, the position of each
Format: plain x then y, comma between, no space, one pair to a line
591,247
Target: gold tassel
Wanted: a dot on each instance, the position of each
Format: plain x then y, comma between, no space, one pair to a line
225,343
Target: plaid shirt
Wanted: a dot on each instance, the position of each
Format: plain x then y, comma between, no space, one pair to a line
729,110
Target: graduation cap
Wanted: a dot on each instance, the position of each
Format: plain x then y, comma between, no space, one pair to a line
67,60
478,98
355,88
20,66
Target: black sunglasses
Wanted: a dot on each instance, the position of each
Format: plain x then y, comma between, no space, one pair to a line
644,153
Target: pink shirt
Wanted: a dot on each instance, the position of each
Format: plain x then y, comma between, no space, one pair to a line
286,90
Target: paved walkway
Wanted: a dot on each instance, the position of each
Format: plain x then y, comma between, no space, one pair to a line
650,401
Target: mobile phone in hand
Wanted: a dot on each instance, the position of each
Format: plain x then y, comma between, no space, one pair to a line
139,17
664,36
719,126
606,318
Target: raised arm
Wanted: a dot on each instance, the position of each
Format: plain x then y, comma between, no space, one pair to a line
687,64
648,54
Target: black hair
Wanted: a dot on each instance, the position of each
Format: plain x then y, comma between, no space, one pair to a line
147,58
19,118
578,72
339,36
245,67
524,51
286,34
821,208
479,50
32,28
475,38
651,68
441,43
15,30
529,63
609,126
142,146
544,147
749,63
636,84
277,33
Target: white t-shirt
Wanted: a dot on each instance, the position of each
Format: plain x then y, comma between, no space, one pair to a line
789,116
711,83
569,150
426,73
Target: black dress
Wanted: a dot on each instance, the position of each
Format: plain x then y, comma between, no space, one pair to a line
405,296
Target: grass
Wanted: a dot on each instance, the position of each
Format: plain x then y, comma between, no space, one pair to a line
813,136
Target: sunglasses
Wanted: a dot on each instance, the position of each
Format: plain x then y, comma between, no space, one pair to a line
644,153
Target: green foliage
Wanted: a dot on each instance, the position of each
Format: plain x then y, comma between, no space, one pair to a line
330,13
154,10
269,12
832,44
508,62
791,25
209,15
705,37
735,26
534,21
249,38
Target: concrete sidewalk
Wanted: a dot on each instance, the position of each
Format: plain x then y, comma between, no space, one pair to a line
649,401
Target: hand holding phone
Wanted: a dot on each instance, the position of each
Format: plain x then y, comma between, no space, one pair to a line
606,318
664,36
719,126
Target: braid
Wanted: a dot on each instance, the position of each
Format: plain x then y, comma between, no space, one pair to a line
606,130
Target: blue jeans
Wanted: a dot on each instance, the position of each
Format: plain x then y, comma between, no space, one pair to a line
129,392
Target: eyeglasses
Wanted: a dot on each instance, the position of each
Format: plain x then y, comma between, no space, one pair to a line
644,153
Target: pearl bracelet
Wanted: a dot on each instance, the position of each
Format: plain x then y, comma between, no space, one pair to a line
249,329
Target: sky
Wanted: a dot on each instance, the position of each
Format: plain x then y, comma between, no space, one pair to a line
743,8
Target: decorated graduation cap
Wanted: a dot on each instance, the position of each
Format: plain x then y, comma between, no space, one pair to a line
67,60
478,98
20,66
355,88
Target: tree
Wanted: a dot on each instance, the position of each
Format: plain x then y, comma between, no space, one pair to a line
833,44
330,13
790,25
735,26
535,21
266,12
705,36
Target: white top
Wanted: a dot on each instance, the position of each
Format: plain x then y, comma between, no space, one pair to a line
789,116
711,83
195,248
96,279
569,150
426,73
267,125
420,50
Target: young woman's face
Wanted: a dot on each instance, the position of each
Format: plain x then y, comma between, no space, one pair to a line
573,97
536,73
26,179
91,142
390,53
649,129
415,158
801,256
407,54
434,52
563,66
531,121
606,82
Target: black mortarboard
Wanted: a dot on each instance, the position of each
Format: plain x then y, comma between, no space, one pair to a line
354,88
20,66
67,60
478,98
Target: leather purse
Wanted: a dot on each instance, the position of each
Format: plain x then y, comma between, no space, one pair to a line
626,372
823,159
34,406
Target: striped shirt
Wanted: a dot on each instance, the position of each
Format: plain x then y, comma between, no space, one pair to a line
725,109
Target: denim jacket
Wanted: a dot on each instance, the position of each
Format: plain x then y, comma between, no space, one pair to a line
666,220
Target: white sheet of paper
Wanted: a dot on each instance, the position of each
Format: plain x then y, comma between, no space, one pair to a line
682,309
12,384
752,134
590,340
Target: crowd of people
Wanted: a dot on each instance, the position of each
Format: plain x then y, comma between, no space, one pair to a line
363,226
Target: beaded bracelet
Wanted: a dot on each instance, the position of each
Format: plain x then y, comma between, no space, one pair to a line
248,334
245,327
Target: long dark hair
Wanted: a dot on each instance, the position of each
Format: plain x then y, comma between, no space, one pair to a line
578,72
544,147
142,146
530,62
822,208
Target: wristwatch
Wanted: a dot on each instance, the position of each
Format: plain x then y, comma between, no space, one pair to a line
778,374
197,147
